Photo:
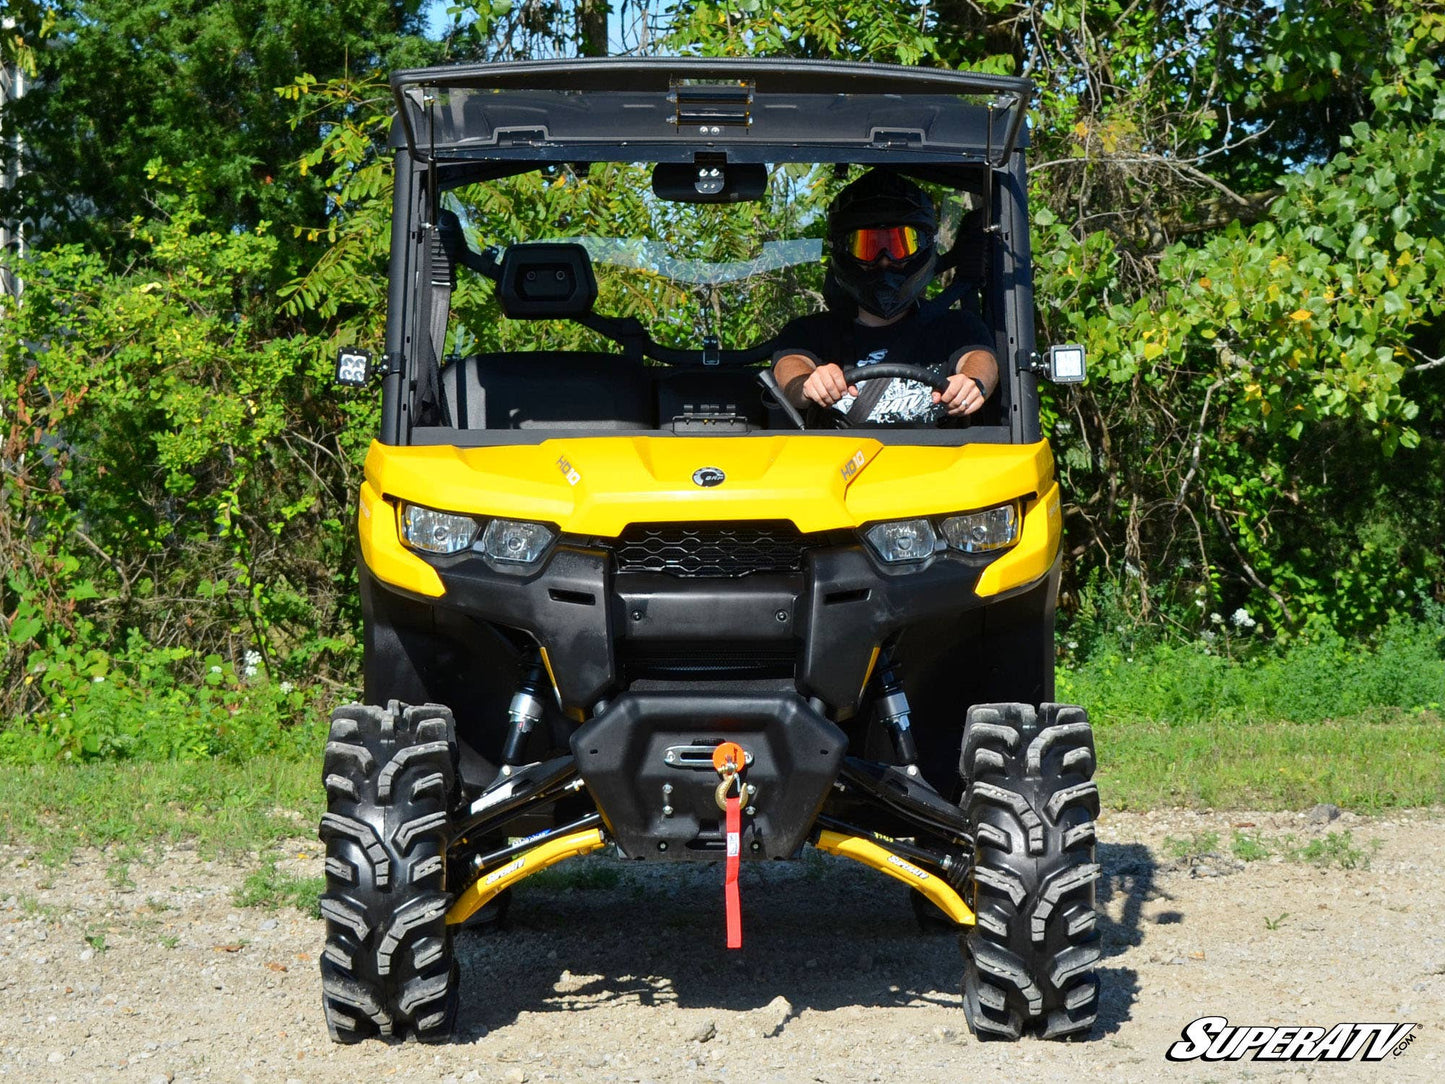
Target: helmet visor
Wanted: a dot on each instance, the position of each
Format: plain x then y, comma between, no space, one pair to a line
895,242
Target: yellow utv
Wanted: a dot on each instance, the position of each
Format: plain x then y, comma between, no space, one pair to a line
622,595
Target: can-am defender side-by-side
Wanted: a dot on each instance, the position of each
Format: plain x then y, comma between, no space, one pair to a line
620,595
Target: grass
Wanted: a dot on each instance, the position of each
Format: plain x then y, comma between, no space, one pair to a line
1333,850
1360,726
1383,759
271,888
1249,848
1199,843
1336,849
225,808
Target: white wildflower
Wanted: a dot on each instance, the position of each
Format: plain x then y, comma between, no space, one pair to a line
98,678
1216,619
215,669
1240,619
285,687
252,663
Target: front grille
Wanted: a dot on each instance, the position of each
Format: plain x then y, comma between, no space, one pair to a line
712,549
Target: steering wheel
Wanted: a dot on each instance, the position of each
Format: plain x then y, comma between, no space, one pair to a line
887,370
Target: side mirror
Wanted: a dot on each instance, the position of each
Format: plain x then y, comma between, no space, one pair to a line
1066,364
353,367
709,182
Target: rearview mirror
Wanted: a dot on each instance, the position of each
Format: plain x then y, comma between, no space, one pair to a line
718,182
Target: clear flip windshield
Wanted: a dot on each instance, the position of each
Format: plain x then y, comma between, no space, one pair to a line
734,272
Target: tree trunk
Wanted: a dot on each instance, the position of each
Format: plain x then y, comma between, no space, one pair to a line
592,27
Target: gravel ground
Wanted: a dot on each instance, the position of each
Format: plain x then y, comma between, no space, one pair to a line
151,972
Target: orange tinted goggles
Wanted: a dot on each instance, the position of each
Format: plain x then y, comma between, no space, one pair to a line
895,242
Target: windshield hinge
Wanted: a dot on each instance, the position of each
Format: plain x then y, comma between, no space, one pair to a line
712,106
521,137
895,137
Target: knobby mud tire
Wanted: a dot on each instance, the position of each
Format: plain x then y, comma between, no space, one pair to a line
1031,802
388,968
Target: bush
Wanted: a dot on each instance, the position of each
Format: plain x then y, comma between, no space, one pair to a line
1316,676
134,706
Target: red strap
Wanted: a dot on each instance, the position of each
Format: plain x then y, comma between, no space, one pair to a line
730,885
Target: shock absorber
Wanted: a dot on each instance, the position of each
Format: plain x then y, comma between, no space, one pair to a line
524,711
893,713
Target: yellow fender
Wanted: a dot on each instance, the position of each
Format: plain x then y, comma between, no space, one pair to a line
885,861
489,885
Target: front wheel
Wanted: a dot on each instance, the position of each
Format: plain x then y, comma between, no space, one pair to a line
1031,803
388,968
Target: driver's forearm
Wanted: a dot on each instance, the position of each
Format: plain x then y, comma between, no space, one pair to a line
980,365
791,371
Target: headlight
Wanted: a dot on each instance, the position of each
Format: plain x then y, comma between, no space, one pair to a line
436,532
980,532
515,540
902,540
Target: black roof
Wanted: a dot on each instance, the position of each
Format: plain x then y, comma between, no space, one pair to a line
672,108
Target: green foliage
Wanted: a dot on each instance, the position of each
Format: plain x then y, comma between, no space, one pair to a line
29,23
1248,848
578,876
129,705
1236,208
1195,845
347,279
271,888
169,467
1252,400
1337,849
1234,676
190,83
1367,763
847,29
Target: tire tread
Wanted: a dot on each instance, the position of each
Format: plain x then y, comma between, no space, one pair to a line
1031,802
388,968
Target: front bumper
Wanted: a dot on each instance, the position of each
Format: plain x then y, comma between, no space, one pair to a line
824,625
643,760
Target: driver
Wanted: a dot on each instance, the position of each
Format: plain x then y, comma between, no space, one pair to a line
881,231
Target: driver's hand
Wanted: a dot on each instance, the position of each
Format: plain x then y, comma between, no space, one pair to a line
962,397
825,385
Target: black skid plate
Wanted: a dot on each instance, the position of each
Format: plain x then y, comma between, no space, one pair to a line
647,762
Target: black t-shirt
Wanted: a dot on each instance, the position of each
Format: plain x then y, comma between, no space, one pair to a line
928,337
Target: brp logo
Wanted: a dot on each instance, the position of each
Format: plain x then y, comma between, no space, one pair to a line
707,477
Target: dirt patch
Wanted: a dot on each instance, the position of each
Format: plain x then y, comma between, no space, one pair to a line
151,972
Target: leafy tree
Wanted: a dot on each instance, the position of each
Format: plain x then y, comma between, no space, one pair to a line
171,464
188,84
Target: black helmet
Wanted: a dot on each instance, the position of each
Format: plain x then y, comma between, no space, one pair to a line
879,213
